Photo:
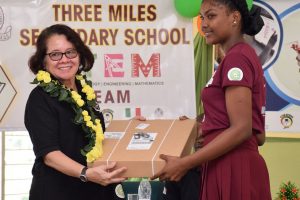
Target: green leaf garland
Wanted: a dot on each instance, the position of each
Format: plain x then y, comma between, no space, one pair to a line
86,118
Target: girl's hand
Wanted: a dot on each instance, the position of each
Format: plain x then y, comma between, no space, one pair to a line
174,169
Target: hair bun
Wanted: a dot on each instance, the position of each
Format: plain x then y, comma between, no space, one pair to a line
255,22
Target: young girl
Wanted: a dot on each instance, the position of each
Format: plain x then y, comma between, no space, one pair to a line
234,105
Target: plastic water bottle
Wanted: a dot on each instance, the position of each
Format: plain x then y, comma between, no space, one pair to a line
144,190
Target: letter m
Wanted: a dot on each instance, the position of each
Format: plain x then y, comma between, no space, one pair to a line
138,64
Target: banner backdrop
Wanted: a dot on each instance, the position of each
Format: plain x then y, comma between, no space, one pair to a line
144,55
279,50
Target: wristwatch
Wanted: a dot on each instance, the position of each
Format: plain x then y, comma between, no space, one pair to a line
82,176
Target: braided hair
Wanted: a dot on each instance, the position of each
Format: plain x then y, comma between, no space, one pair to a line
252,22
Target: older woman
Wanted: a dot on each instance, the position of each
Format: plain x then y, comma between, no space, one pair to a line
65,128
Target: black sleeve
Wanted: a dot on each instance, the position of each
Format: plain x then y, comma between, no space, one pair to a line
41,123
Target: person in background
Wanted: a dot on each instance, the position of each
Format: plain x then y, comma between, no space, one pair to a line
64,125
234,110
188,186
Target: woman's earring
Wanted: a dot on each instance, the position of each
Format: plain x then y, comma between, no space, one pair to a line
80,67
234,22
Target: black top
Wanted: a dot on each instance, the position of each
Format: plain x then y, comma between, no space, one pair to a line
51,127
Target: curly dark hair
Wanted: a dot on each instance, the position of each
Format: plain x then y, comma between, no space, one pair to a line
252,22
36,61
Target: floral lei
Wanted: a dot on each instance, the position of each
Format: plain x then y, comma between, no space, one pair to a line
86,118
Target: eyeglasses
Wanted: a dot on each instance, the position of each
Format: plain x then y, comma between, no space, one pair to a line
56,55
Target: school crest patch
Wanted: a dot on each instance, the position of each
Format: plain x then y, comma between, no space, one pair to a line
235,74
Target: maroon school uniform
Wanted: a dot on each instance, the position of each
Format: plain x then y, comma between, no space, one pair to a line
240,174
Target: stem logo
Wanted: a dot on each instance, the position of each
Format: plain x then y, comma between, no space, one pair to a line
138,64
113,65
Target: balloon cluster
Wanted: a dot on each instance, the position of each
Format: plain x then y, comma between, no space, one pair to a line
188,8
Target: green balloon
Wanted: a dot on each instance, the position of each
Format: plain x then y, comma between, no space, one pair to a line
188,8
249,4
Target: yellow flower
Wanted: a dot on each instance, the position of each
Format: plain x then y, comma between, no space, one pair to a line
43,76
87,118
99,139
91,96
89,90
85,88
39,75
75,95
98,128
89,123
101,136
85,113
47,79
82,82
80,102
94,154
89,157
79,77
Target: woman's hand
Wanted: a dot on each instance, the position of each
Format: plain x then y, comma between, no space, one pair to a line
174,169
105,174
